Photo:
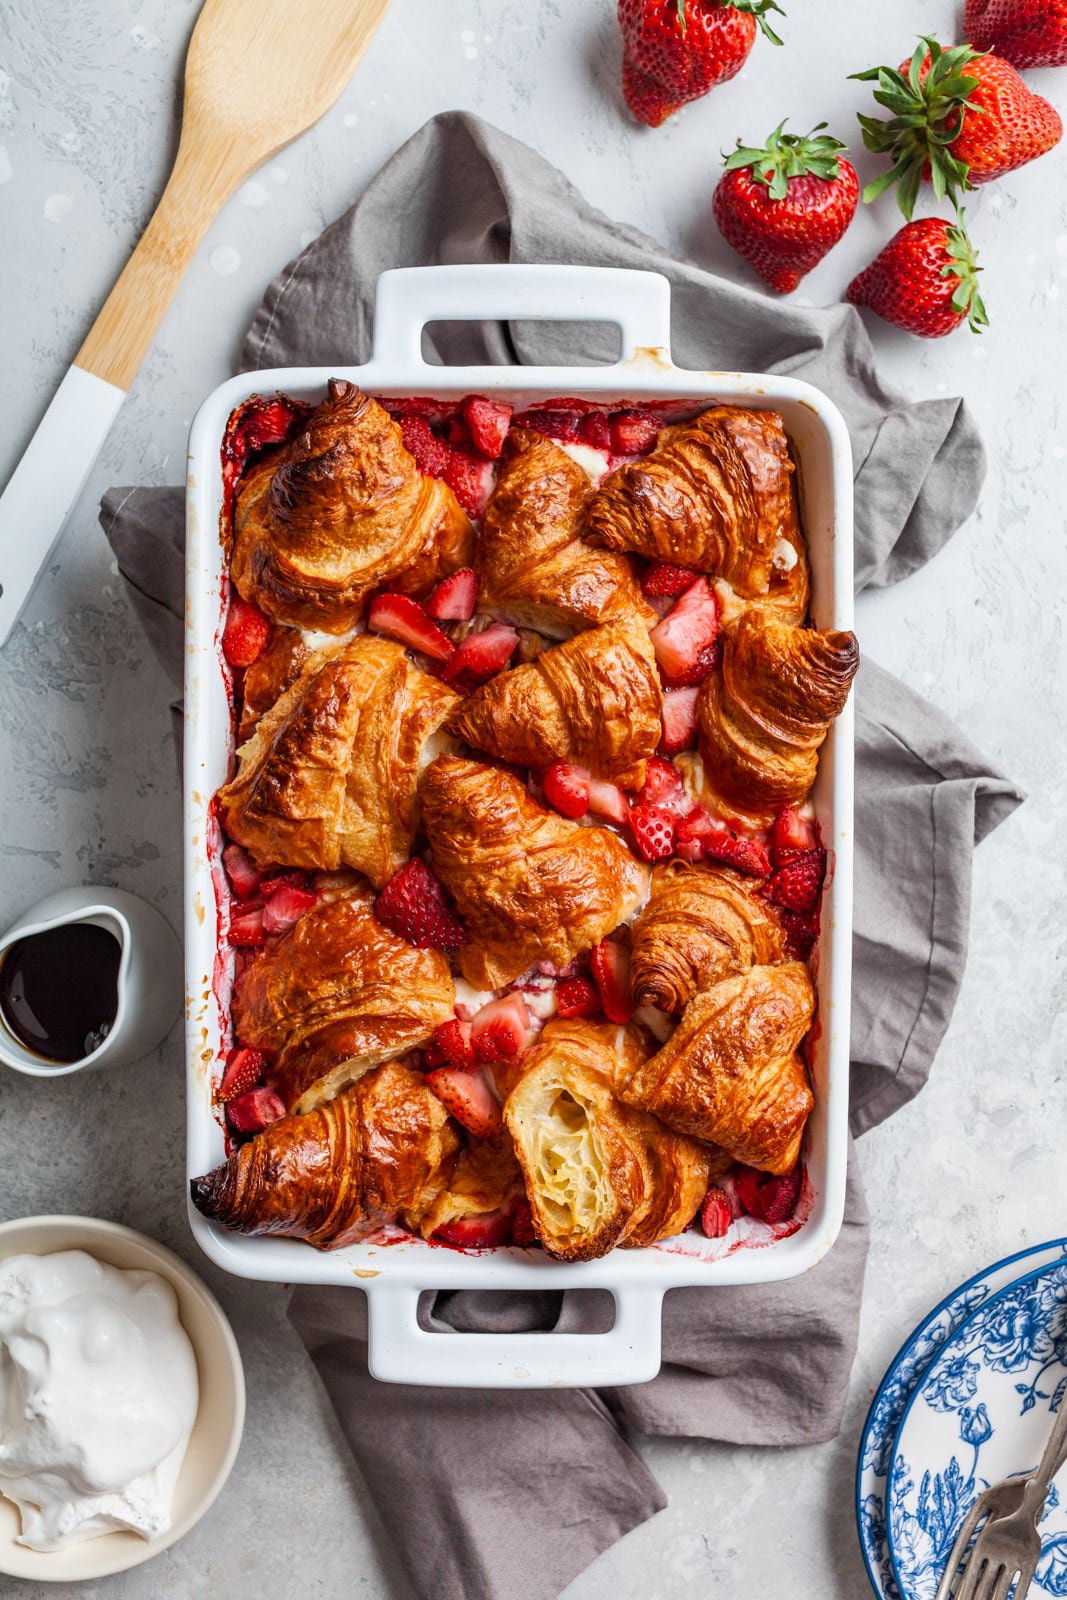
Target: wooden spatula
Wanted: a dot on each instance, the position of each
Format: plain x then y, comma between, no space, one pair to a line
258,73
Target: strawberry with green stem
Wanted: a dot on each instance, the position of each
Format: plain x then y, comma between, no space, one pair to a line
959,118
924,281
676,51
784,206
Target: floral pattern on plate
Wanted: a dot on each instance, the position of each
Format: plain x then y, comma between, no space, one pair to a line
897,1388
981,1412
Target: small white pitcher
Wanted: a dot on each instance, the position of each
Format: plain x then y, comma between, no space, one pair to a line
149,976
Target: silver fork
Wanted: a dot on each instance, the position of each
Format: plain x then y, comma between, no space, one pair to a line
1004,1557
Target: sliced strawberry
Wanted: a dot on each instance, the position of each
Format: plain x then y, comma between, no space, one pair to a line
432,455
254,1111
633,433
293,879
577,997
484,1231
499,1029
801,932
792,835
663,786
566,788
779,1195
455,597
653,831
593,430
747,1182
433,1056
412,905
522,1228
242,1072
459,433
559,425
611,972
798,882
608,800
716,1213
245,877
418,406
453,1041
245,635
469,481
480,657
694,675
403,619
679,720
468,1097
488,421
664,580
687,629
285,907
698,837
246,923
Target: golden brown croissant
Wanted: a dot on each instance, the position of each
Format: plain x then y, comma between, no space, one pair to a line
730,1072
338,511
380,1152
761,721
700,923
716,494
329,775
335,993
286,656
528,884
595,700
597,1172
486,1177
534,569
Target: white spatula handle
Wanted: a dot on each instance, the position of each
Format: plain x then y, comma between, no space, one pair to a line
48,480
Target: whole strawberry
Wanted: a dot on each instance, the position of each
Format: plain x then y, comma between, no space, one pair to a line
674,51
924,281
783,207
958,118
1028,33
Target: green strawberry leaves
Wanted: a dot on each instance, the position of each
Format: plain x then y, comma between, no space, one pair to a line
927,115
963,264
789,155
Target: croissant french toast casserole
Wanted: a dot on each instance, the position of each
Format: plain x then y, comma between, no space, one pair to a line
522,871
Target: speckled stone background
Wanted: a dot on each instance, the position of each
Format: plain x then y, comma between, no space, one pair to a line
971,1170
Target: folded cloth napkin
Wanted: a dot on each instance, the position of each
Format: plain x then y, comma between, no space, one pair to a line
761,1365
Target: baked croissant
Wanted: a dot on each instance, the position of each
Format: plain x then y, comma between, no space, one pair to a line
335,993
528,884
716,494
486,1177
761,721
381,1152
595,700
730,1072
285,657
534,569
597,1172
700,923
340,510
329,776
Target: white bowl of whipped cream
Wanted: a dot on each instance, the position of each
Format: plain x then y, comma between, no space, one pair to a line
122,1398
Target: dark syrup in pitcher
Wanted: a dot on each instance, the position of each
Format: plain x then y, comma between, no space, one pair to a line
59,990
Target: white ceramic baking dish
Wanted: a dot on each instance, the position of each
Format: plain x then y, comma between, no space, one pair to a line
394,1272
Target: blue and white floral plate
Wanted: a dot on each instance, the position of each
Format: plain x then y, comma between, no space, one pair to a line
897,1388
982,1412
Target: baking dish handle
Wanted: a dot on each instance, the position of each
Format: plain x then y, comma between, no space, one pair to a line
400,1351
639,303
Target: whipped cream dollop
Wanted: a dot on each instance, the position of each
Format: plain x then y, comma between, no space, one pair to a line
98,1396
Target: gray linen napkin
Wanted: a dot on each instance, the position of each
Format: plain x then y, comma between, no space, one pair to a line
760,1365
